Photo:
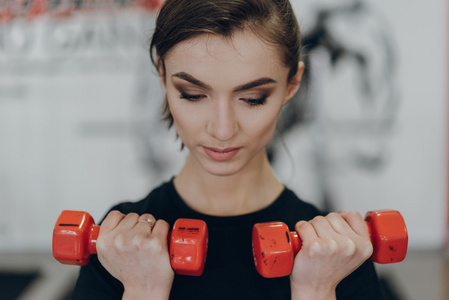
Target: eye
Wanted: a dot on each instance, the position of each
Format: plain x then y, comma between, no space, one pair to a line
253,102
191,97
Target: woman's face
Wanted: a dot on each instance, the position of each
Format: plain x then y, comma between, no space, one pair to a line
225,96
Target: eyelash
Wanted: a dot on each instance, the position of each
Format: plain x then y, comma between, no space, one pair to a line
256,102
251,102
190,97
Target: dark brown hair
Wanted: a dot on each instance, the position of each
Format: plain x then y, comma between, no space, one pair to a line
271,20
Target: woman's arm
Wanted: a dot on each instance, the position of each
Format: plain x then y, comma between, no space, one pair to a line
333,247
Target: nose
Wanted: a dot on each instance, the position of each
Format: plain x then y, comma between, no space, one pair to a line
222,123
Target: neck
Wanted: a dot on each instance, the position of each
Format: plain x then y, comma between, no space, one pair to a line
251,189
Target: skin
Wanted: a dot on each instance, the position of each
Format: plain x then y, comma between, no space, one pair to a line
225,95
136,254
223,118
333,247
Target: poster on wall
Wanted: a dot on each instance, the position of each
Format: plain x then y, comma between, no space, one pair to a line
80,109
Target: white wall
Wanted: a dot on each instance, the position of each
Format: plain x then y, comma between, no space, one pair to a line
80,103
413,148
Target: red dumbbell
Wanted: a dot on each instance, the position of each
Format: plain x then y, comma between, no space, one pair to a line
274,246
75,239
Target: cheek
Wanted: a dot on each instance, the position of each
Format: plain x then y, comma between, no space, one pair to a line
261,127
187,121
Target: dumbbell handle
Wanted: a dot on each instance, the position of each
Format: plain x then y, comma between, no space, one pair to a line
92,239
296,242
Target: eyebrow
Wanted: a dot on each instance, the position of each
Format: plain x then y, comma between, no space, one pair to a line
258,82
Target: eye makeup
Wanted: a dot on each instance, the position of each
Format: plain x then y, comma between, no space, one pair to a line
191,97
253,94
254,102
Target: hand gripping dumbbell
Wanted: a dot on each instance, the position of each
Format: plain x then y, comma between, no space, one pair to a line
274,246
75,238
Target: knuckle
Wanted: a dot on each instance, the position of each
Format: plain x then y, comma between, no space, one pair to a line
102,244
299,226
331,247
147,216
354,215
146,243
163,222
120,242
132,215
318,220
154,245
314,249
367,249
115,214
348,247
163,225
334,215
138,241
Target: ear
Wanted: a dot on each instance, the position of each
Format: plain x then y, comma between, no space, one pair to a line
161,70
294,83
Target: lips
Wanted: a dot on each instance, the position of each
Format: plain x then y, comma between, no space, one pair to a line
221,154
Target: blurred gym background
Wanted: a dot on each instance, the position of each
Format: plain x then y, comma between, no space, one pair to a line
80,126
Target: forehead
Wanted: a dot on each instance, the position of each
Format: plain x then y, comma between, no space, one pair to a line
242,54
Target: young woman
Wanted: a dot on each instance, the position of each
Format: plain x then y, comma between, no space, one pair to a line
228,67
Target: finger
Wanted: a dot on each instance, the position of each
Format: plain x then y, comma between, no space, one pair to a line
146,223
338,236
161,229
152,239
356,222
128,222
111,221
323,227
339,224
310,240
305,231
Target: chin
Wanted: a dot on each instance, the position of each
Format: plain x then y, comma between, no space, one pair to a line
222,169
223,172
